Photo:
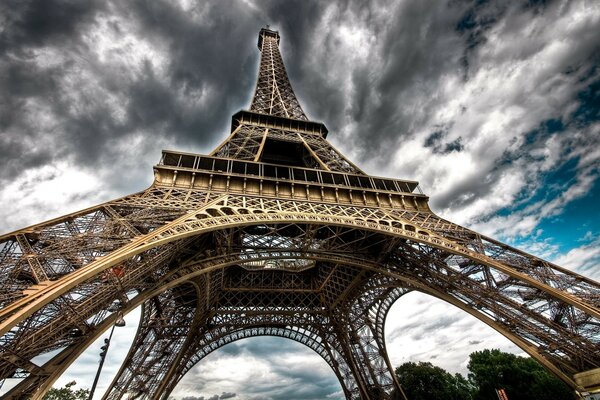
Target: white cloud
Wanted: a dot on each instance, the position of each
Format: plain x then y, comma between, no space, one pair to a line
48,191
584,260
265,368
420,327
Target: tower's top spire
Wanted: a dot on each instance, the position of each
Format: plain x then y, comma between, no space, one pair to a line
274,94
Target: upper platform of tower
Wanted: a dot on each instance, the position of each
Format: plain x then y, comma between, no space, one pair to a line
274,140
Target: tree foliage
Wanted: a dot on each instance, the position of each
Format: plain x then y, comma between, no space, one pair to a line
67,393
424,381
522,378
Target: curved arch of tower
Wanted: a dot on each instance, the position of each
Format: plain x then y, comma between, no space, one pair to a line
274,233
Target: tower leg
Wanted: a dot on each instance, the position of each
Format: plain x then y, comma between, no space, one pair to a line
359,330
164,328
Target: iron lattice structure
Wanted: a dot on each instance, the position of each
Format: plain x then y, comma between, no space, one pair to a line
274,233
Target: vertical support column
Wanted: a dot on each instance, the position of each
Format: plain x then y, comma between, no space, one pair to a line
368,362
359,328
165,326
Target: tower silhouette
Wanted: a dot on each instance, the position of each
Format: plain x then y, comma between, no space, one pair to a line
274,233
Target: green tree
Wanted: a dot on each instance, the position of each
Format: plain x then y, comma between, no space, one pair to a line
522,378
67,393
424,381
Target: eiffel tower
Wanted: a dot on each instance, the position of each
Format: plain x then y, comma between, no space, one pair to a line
274,233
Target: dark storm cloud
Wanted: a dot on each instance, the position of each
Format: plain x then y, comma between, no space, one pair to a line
213,53
290,374
411,50
298,382
473,24
43,22
436,143
77,92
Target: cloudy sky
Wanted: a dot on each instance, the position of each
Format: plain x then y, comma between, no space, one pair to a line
493,106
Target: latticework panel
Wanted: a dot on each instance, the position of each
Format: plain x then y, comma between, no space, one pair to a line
244,143
165,326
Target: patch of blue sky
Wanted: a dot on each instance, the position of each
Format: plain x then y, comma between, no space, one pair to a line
589,105
546,129
577,224
580,218
551,185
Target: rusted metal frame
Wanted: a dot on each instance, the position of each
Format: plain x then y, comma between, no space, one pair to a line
480,241
34,387
338,362
138,340
154,381
468,310
274,83
34,264
527,347
362,353
323,146
379,324
60,251
248,135
35,301
349,357
492,299
112,213
89,306
68,355
61,219
312,153
293,328
553,274
231,329
272,80
262,145
151,347
226,141
360,309
271,76
536,315
29,341
22,363
436,242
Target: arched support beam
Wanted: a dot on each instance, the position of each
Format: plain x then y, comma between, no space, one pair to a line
423,283
204,220
167,321
215,338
